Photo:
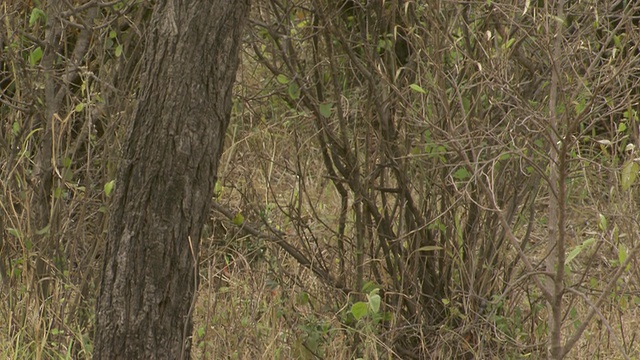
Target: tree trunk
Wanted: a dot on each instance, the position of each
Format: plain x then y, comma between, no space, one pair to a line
165,183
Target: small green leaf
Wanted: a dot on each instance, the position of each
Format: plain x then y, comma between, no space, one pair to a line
44,230
622,254
325,109
359,310
374,303
15,127
282,79
461,174
572,254
294,91
217,189
417,88
37,14
238,219
430,248
35,56
629,174
602,222
108,187
466,103
118,50
509,43
112,34
15,232
80,107
589,242
369,287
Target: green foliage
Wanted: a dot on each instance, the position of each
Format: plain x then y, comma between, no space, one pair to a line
369,311
417,88
629,173
108,187
587,244
35,56
282,79
37,16
238,219
326,109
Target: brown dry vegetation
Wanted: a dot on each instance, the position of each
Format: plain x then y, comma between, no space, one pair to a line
440,158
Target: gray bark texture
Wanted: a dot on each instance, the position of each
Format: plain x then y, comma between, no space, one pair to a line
166,179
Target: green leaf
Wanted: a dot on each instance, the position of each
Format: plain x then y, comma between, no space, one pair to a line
112,34
622,254
15,232
572,254
35,56
509,43
430,248
15,127
629,174
217,189
238,219
374,303
369,287
588,242
108,187
37,14
417,88
325,109
461,174
44,230
621,127
282,79
80,107
359,309
294,91
466,104
118,50
602,222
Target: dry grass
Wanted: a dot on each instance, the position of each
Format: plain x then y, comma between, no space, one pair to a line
256,302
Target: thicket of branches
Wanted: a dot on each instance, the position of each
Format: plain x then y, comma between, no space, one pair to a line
459,176
462,139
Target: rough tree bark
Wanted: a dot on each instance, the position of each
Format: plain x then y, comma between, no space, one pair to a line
165,183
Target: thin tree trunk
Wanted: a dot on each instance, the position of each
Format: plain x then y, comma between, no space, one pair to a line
166,179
